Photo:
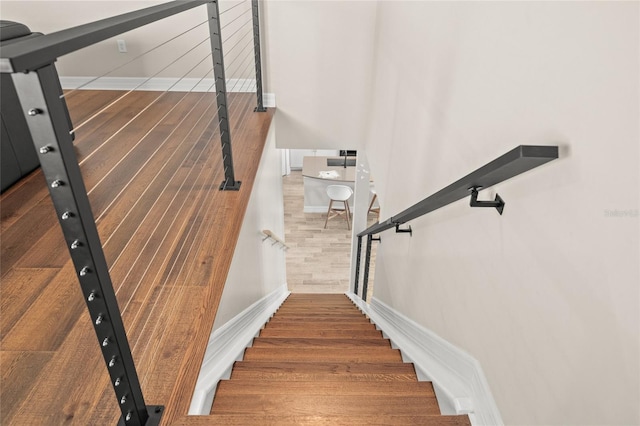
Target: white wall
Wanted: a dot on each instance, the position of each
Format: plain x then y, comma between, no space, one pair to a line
297,155
319,56
257,268
545,297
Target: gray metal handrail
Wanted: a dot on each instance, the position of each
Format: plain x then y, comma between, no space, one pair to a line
519,160
34,53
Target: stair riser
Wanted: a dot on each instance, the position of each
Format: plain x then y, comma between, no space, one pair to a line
320,333
275,342
321,310
318,315
320,325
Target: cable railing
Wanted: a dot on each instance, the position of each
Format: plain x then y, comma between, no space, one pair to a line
519,160
31,64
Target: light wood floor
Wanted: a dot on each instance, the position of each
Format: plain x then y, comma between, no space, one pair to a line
168,236
319,259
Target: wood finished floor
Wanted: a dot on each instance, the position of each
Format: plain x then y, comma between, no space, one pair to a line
168,235
318,260
291,377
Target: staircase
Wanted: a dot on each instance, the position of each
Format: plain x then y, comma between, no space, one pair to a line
320,361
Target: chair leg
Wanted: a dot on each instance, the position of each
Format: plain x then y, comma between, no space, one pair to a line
373,200
347,212
375,210
328,212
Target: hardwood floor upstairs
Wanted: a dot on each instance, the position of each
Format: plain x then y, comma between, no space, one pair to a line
319,361
152,167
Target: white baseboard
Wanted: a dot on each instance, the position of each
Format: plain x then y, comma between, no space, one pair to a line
457,377
315,209
234,85
269,100
227,344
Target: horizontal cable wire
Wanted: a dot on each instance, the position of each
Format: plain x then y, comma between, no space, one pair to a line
157,123
159,221
241,27
155,229
249,84
247,67
136,117
239,55
162,144
236,18
155,177
232,7
172,296
227,51
191,238
232,103
241,65
176,288
139,85
64,95
201,200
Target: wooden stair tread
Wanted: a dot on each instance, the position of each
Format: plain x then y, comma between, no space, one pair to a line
318,355
331,371
250,387
349,405
300,342
326,320
330,420
319,360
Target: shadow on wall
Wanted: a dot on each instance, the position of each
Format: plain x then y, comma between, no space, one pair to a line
296,134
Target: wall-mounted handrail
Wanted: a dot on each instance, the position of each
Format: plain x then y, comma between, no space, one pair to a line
513,163
519,160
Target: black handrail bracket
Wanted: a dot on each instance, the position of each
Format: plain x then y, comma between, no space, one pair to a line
498,202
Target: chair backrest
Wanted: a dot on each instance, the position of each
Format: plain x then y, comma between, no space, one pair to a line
339,192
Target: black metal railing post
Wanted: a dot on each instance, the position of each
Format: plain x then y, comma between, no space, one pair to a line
367,263
47,117
358,256
229,183
258,57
